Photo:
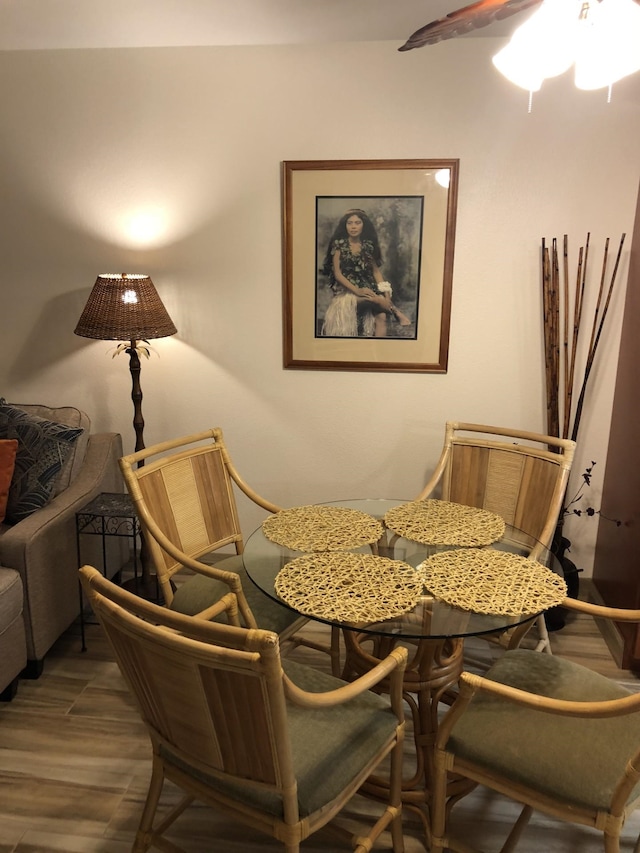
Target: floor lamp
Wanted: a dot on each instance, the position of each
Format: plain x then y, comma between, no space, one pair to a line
126,307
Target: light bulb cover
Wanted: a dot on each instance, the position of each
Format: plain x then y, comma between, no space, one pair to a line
601,37
608,46
124,307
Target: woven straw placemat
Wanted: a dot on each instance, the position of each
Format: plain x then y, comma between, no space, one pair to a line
492,582
433,522
322,528
347,587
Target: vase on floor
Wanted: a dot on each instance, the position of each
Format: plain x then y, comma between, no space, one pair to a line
556,616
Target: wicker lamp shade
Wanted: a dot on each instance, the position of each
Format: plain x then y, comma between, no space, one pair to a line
124,307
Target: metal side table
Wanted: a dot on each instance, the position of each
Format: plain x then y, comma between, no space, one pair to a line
108,514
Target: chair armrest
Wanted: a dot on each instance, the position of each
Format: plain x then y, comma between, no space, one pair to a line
392,666
471,684
436,476
43,546
601,611
92,579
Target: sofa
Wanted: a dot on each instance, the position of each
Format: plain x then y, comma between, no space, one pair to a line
60,465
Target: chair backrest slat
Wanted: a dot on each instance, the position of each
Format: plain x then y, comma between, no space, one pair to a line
191,499
186,492
522,478
235,698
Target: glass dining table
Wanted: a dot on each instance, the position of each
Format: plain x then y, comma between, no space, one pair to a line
433,630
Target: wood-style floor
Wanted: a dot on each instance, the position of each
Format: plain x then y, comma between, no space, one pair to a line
75,763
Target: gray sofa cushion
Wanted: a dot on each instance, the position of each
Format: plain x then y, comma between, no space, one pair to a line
43,449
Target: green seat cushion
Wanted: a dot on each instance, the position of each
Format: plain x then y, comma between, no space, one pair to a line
329,746
200,592
568,758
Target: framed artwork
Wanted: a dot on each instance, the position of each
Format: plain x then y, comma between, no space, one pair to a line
368,263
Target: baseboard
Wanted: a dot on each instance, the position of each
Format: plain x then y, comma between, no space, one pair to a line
610,633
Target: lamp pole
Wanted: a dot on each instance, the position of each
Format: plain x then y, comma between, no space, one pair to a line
136,396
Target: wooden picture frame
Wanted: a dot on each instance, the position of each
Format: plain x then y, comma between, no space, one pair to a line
411,207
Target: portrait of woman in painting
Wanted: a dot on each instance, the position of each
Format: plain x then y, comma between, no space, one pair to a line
363,302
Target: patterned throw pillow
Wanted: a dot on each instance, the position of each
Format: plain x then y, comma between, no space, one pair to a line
43,447
8,448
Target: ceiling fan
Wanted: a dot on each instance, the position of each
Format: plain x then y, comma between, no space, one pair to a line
464,20
598,37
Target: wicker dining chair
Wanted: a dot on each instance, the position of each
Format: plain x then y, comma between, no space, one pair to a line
276,745
519,475
548,733
183,492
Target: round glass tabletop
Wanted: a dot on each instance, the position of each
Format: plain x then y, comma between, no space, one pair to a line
430,618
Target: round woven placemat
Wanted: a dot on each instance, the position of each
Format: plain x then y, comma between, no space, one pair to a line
433,522
492,582
349,587
322,528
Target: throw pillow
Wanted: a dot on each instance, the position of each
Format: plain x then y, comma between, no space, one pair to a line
43,447
8,448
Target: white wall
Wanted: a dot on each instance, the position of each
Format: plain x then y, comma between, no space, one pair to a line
196,136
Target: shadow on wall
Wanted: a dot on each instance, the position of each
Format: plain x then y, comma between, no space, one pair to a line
50,341
51,337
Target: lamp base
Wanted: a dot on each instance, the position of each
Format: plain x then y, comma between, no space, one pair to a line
144,586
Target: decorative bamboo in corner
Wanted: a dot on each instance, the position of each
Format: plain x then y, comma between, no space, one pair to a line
560,307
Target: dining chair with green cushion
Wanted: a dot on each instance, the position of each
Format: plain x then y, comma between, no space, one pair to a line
279,746
548,733
521,476
183,492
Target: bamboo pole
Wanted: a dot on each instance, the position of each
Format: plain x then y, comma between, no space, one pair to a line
577,317
600,291
555,315
565,338
548,318
544,265
592,353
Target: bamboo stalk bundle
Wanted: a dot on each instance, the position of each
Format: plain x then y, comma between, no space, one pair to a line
561,361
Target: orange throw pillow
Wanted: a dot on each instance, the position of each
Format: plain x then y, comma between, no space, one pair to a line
8,450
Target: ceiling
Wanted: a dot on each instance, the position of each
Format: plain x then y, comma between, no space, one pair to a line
58,24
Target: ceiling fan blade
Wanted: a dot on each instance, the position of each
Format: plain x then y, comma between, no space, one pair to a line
462,21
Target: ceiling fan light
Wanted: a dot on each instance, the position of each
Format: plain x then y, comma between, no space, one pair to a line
608,46
518,68
542,47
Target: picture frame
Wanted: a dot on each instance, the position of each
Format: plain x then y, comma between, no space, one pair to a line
393,312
